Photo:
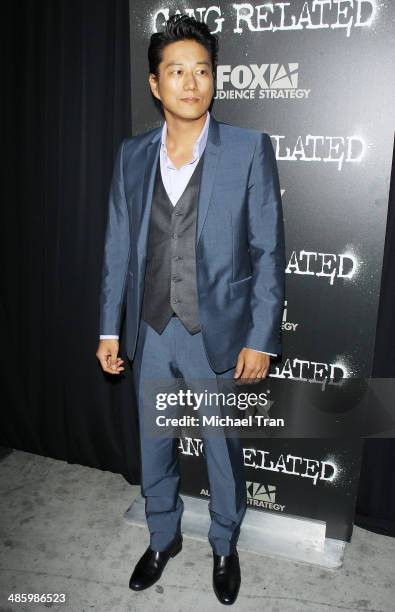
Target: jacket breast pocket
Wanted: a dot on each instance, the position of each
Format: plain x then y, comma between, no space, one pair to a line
240,287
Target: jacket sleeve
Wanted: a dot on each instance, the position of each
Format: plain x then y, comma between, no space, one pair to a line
267,249
116,254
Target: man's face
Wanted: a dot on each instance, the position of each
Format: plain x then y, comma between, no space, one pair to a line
186,85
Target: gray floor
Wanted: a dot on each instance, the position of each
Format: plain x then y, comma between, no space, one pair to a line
62,531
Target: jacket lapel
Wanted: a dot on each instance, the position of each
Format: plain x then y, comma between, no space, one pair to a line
209,171
151,161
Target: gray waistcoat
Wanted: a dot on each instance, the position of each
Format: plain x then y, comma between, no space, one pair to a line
170,277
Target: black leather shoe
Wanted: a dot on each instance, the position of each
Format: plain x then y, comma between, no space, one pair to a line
226,577
151,565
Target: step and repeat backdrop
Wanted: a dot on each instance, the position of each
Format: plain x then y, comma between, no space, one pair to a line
317,76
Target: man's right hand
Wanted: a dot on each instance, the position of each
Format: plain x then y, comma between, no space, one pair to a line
107,354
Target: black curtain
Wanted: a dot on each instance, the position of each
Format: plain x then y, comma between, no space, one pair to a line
65,109
66,76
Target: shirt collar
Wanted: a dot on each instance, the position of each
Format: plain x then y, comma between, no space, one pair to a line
199,145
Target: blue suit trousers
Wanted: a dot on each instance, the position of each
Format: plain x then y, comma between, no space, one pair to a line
172,355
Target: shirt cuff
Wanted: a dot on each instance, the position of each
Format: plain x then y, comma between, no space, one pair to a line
108,337
264,352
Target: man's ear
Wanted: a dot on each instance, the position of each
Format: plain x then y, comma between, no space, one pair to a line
153,83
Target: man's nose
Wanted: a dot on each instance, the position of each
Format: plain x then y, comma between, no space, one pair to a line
189,81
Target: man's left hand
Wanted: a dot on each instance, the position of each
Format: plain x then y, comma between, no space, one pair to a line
251,366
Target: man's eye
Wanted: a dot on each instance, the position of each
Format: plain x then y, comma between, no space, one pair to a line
178,71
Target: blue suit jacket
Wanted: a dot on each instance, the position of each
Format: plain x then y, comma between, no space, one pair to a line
240,251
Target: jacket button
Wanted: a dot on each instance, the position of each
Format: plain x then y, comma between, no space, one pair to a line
175,235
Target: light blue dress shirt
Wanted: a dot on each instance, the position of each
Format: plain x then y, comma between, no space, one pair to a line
175,179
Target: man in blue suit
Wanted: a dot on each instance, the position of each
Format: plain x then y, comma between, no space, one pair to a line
195,259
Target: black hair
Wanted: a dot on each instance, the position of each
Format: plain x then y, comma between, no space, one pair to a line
181,27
